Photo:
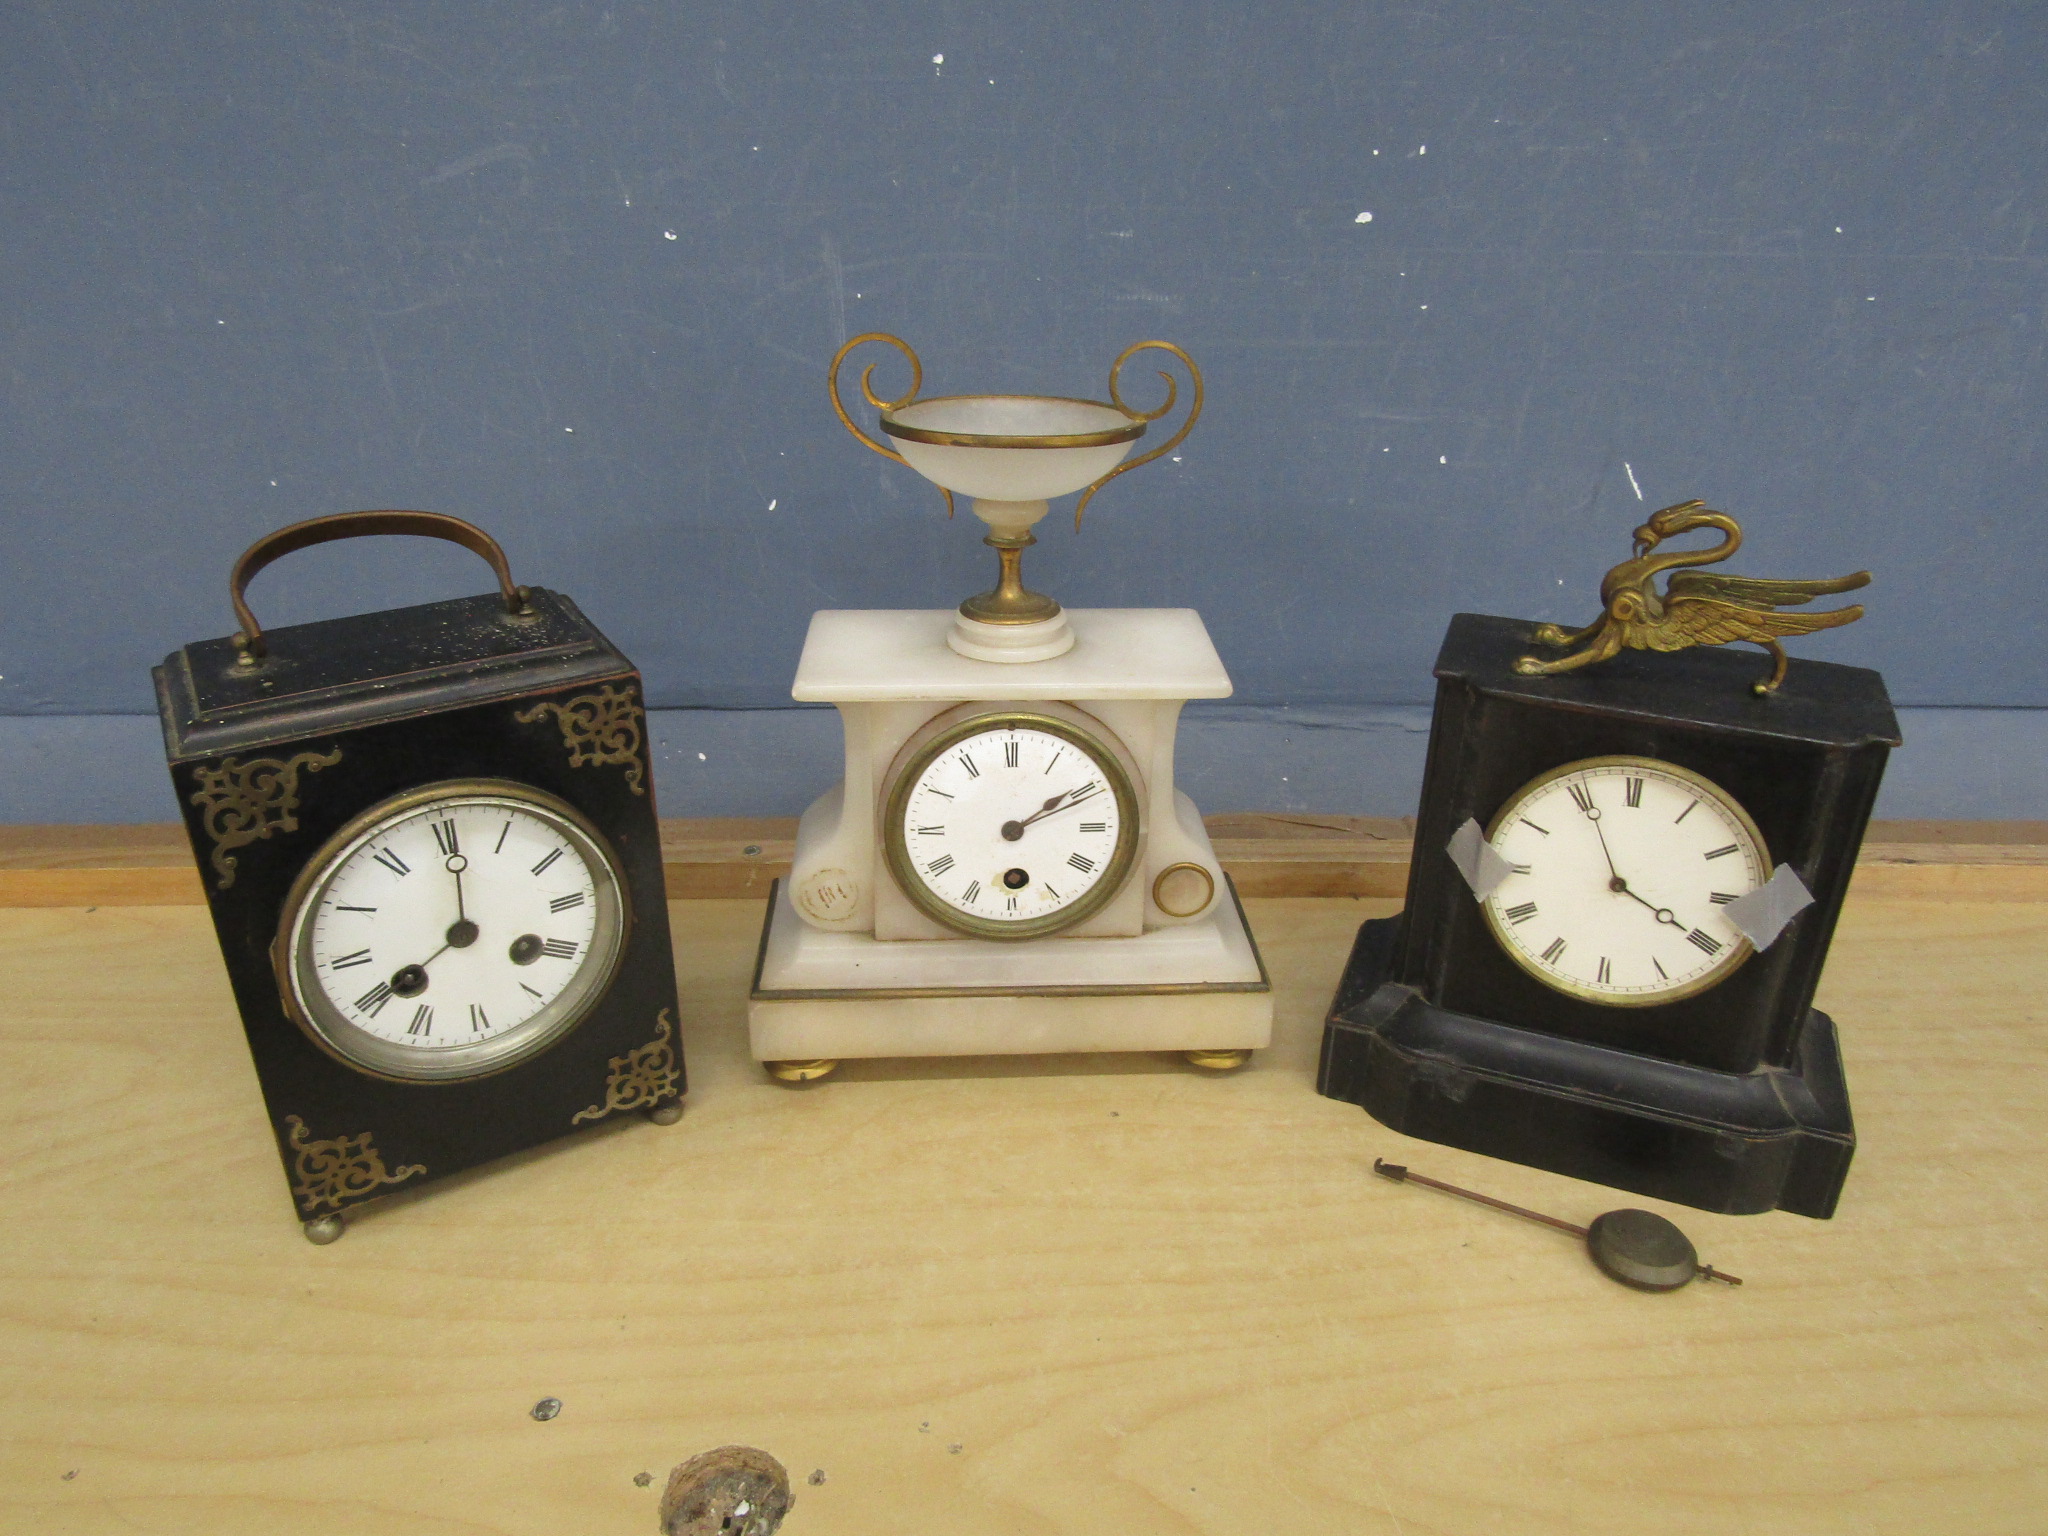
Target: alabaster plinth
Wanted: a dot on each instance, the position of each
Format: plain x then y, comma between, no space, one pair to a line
850,967
841,996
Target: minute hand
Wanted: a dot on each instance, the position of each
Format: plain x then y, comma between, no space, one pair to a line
1615,882
1066,799
1060,802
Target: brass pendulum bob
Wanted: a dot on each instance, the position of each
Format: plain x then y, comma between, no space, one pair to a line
1010,602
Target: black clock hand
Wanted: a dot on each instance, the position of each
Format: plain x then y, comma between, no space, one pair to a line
1012,830
1614,881
1664,914
1077,796
462,932
411,980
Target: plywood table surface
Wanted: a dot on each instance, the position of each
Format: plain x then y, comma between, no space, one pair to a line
1062,1295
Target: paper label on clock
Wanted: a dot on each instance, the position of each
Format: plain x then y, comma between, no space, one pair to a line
1477,860
829,895
1761,915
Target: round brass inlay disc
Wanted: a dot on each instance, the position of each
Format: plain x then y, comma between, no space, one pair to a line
1182,890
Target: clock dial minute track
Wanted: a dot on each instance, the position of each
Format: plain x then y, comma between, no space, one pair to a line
978,844
1618,875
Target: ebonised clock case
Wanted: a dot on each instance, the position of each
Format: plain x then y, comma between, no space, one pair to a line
270,761
1733,1099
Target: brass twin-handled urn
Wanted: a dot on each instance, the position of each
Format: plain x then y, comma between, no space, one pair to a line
1011,454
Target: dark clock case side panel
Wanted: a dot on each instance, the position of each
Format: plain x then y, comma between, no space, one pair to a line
1737,1143
1805,765
385,749
446,1127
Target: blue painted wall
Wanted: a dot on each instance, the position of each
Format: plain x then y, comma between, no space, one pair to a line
575,270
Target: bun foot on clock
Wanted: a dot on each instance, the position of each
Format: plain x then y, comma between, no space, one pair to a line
666,1114
322,1230
1216,1061
798,1073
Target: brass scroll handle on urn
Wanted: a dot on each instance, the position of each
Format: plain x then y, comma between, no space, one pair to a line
867,390
1172,395
352,525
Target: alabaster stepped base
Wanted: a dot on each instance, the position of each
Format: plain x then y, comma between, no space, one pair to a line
1197,987
1010,642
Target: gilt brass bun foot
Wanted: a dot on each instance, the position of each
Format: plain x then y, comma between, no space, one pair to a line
800,1071
666,1114
1217,1061
322,1230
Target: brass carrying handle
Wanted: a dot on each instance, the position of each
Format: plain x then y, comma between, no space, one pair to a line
352,525
868,393
1172,394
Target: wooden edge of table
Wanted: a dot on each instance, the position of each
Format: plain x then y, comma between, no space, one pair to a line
1266,853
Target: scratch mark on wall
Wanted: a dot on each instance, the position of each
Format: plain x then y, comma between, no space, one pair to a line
477,161
835,289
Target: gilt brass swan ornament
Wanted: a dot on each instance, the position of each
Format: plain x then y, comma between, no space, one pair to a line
1694,608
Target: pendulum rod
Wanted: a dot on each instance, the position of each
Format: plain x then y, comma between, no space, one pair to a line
1401,1175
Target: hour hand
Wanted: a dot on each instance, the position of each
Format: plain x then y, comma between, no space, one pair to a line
1663,914
411,980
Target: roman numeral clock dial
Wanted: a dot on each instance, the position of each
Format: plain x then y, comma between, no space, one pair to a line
1621,871
1012,826
451,932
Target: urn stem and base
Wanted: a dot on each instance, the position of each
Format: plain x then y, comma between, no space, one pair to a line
1010,623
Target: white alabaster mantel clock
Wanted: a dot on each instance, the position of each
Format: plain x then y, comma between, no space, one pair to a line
1007,867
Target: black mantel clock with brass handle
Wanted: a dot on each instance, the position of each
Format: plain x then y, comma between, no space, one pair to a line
1628,868
428,840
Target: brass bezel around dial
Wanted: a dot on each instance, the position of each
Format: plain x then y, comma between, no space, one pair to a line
1114,875
310,1008
1725,965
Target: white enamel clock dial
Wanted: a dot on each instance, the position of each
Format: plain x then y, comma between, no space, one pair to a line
1012,826
452,931
1622,870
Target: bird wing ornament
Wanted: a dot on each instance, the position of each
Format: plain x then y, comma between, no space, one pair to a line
1695,608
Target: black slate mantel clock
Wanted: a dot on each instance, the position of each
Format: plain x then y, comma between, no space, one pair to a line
428,840
1592,1008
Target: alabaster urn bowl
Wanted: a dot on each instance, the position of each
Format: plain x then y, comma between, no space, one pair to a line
1011,454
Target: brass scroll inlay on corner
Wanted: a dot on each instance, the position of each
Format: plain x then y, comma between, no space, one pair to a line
246,802
332,1173
598,728
640,1079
